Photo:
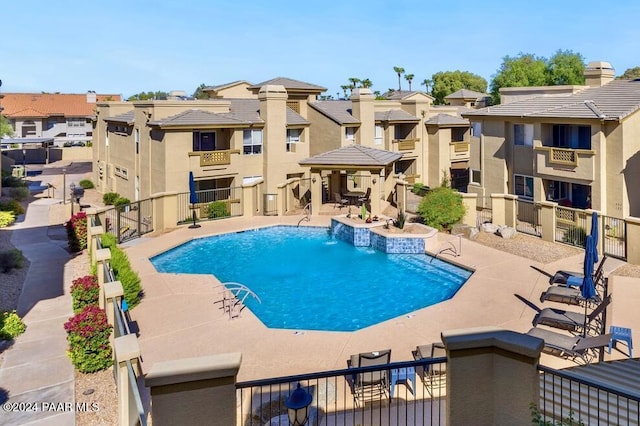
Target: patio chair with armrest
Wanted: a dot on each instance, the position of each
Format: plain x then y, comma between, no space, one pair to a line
573,347
571,295
433,375
339,200
574,279
365,197
572,321
370,385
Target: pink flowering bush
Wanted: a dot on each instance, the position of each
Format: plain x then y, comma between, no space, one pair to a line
88,336
84,291
77,232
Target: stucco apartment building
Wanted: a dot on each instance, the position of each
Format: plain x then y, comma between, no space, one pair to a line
65,117
576,145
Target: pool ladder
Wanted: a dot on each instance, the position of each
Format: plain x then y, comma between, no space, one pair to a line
449,246
307,214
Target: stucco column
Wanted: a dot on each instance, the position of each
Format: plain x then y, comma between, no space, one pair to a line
93,233
102,255
470,204
201,390
316,192
248,204
91,214
283,203
481,367
374,197
498,208
165,210
548,220
112,290
510,210
401,194
125,349
633,235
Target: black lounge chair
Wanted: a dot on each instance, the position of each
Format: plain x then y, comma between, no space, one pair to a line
574,279
569,320
573,347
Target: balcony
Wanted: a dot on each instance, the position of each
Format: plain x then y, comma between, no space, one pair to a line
214,158
565,163
459,151
406,144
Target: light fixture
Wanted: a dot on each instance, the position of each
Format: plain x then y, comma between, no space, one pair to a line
374,180
298,406
72,187
313,179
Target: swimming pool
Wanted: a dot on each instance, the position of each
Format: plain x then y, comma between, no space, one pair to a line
308,280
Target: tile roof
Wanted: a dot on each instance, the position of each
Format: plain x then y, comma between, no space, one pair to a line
613,101
353,155
47,104
223,86
338,111
466,94
242,112
395,115
444,120
399,94
290,83
127,117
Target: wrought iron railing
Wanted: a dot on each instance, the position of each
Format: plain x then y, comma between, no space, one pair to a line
229,204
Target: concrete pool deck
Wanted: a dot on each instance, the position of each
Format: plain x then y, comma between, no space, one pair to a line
179,319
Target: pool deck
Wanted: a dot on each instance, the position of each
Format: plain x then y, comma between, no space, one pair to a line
179,319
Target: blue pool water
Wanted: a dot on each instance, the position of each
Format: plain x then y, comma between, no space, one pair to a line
310,281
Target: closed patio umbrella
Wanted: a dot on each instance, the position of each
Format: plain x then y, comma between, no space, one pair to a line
193,199
594,235
588,289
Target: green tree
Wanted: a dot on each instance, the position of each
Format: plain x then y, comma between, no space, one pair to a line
344,88
427,83
399,71
353,82
145,96
200,93
366,83
409,78
630,74
447,82
523,70
441,208
5,127
565,67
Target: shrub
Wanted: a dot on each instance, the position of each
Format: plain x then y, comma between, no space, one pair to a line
441,208
88,337
11,325
85,291
19,193
420,189
402,218
575,235
122,270
6,219
121,202
217,209
10,259
9,181
77,232
12,206
110,197
86,184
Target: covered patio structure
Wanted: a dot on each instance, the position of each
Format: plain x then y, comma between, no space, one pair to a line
374,163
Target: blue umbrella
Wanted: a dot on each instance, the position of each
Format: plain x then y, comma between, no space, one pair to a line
588,289
193,199
594,235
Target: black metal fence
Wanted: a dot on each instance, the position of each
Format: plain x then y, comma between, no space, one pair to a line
212,204
484,213
528,217
571,226
403,393
614,237
129,221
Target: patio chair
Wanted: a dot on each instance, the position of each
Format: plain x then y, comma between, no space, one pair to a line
433,375
365,197
572,347
339,200
574,279
370,385
572,321
570,295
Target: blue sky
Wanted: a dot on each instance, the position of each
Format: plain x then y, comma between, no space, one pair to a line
129,46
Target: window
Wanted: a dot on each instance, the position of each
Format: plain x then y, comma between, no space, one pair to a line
475,176
252,141
137,139
293,137
567,136
523,134
76,122
204,141
377,139
476,129
523,186
350,133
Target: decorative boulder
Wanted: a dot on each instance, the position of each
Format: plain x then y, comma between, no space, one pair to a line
473,233
489,227
506,232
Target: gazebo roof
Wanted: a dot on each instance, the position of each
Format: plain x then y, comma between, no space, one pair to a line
353,155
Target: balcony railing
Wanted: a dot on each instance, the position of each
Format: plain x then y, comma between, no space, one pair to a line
406,144
565,162
459,150
214,158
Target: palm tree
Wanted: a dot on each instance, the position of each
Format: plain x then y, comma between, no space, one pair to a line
344,87
409,78
354,82
399,71
366,83
426,83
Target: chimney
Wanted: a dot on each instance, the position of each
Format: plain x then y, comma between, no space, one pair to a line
362,109
91,97
598,73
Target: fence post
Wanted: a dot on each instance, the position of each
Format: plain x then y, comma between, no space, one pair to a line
490,358
95,232
548,220
470,202
102,255
164,210
282,198
498,208
248,207
126,348
633,234
510,210
401,194
91,213
112,290
200,390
